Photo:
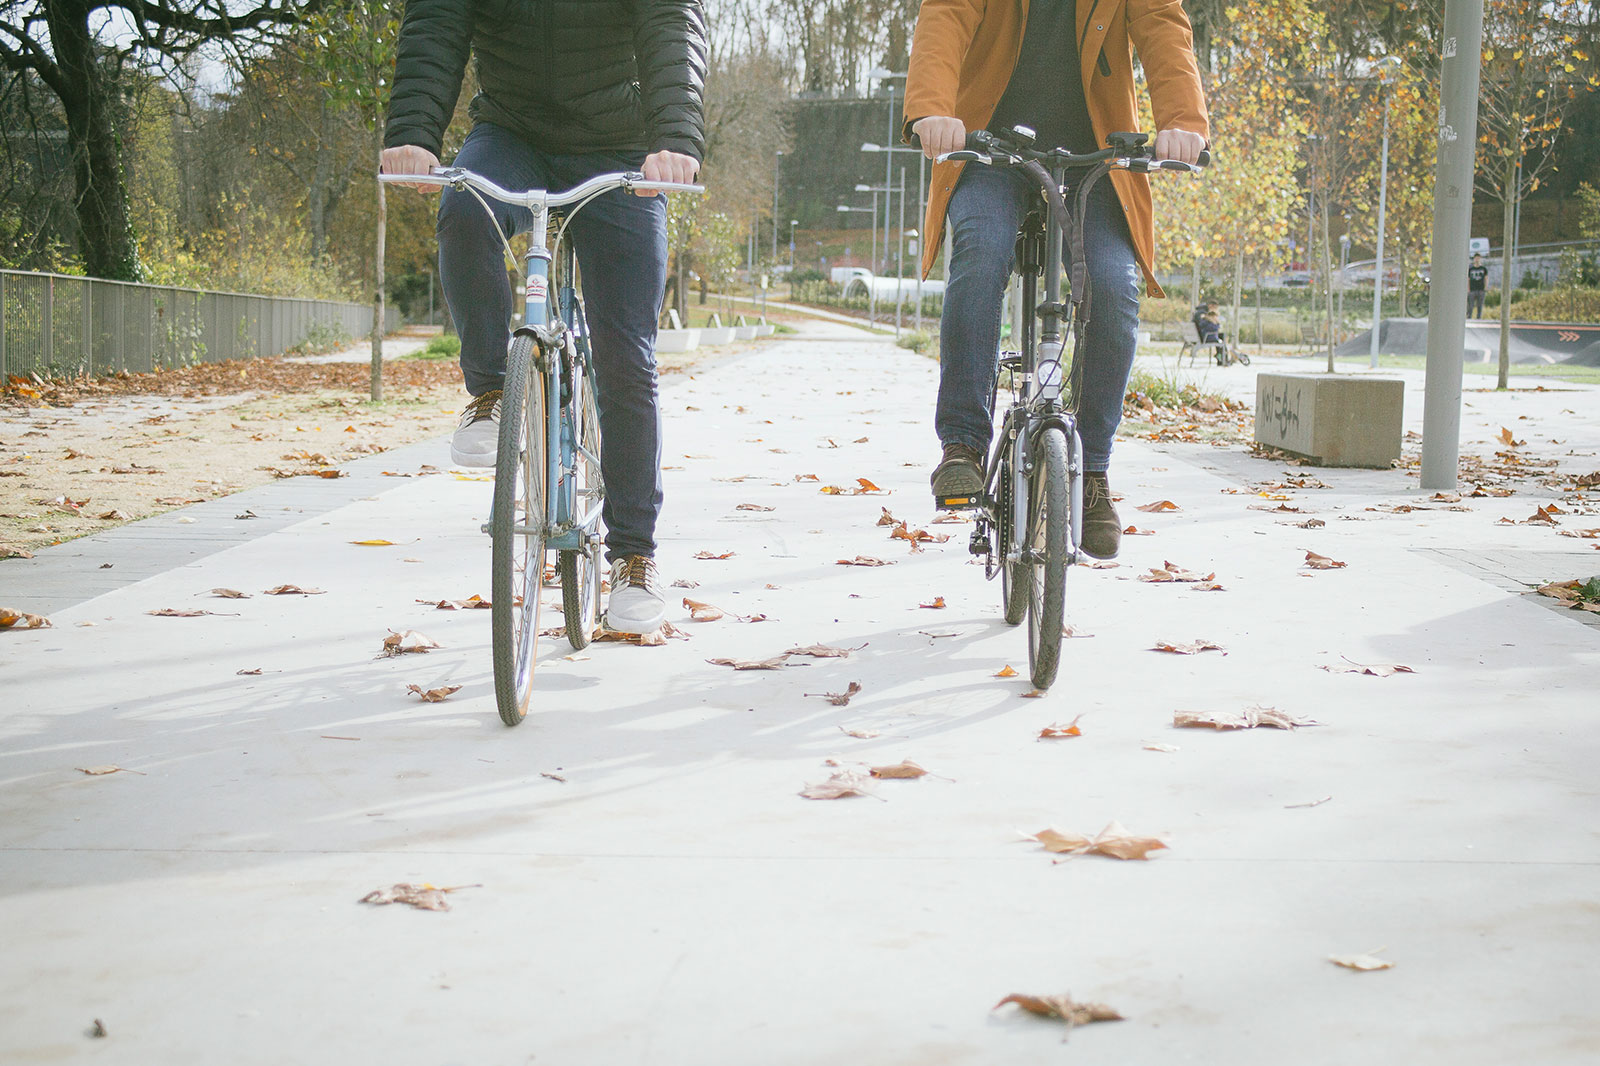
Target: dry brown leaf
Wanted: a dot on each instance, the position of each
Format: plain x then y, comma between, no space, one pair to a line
292,590
1135,531
1169,571
807,477
1114,841
1372,669
714,555
1508,439
935,604
1191,648
840,699
423,897
1062,1007
1006,671
1367,961
777,662
824,651
866,560
100,771
1311,523
701,612
408,642
374,543
860,734
1056,729
7,551
433,695
174,612
1321,562
1153,746
114,516
842,784
248,673
230,594
754,507
904,768
1249,718
10,618
887,519
1036,694
1159,505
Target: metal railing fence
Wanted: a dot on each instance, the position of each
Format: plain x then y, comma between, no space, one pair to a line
57,325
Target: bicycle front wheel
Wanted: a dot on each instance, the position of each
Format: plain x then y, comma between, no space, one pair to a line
580,570
1049,521
517,531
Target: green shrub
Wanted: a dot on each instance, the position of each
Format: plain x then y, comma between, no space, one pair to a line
1560,305
916,340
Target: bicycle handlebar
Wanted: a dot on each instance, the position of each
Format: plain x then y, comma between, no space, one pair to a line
458,177
1128,151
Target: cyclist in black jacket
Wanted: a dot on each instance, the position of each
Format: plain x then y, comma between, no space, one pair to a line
567,89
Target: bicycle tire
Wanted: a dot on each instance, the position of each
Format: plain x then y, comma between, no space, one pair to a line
580,570
516,573
1243,359
1016,579
1049,522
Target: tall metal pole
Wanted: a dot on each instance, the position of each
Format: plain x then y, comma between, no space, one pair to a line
922,225
900,256
888,176
776,159
1452,226
1377,268
875,270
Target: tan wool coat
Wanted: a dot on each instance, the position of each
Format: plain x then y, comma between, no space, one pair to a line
963,54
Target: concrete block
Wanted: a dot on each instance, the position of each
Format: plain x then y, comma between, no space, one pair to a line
1331,419
677,340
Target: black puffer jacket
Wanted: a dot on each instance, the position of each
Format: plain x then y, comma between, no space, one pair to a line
569,75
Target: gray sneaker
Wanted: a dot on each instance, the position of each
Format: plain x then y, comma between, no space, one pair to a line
636,604
478,436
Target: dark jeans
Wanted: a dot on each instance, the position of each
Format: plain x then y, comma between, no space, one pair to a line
1475,303
985,213
621,244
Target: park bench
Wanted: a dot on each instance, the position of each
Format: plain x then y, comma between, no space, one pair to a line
1193,346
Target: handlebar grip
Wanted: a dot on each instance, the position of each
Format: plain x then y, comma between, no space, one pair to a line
1205,158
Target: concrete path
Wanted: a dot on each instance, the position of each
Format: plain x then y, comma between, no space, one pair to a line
646,886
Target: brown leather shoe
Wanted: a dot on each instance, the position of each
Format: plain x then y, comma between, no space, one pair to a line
958,479
1102,529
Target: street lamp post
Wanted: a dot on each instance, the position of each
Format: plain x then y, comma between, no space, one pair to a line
875,190
1386,68
900,253
1344,261
776,158
922,202
793,222
884,75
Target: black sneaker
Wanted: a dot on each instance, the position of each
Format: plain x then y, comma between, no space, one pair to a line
1102,529
958,479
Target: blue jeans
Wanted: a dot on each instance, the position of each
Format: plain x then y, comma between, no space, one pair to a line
621,244
985,213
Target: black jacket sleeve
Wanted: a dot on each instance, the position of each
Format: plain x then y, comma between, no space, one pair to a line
670,43
430,60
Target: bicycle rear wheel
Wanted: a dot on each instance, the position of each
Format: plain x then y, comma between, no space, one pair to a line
516,531
580,570
1049,520
1016,579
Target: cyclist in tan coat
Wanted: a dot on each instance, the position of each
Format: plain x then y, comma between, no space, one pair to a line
1064,68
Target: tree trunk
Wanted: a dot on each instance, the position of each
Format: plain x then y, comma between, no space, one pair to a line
321,177
1238,298
105,233
377,290
1508,222
1259,340
1327,274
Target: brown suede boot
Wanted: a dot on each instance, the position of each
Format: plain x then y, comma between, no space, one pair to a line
1102,529
958,479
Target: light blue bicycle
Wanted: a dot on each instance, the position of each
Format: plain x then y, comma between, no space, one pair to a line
547,487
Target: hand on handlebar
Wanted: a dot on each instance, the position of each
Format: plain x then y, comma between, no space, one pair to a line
667,166
408,159
940,134
1181,145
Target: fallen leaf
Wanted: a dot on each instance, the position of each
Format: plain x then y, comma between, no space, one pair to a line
823,651
1050,732
174,612
1006,671
407,642
1062,1007
807,477
1321,562
1372,669
10,618
1153,746
1367,961
374,543
248,673
860,734
714,555
292,590
867,486
1191,648
9,552
553,777
1159,505
423,897
1249,718
1311,523
936,604
1113,840
1508,439
887,519
865,560
1313,803
905,768
777,662
1135,531
839,699
1169,571
754,507
701,612
230,594
433,695
99,771
1036,694
114,516
842,784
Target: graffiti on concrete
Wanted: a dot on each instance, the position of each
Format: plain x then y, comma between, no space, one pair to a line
1283,410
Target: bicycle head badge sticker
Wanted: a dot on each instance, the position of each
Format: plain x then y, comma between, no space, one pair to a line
538,287
1048,375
